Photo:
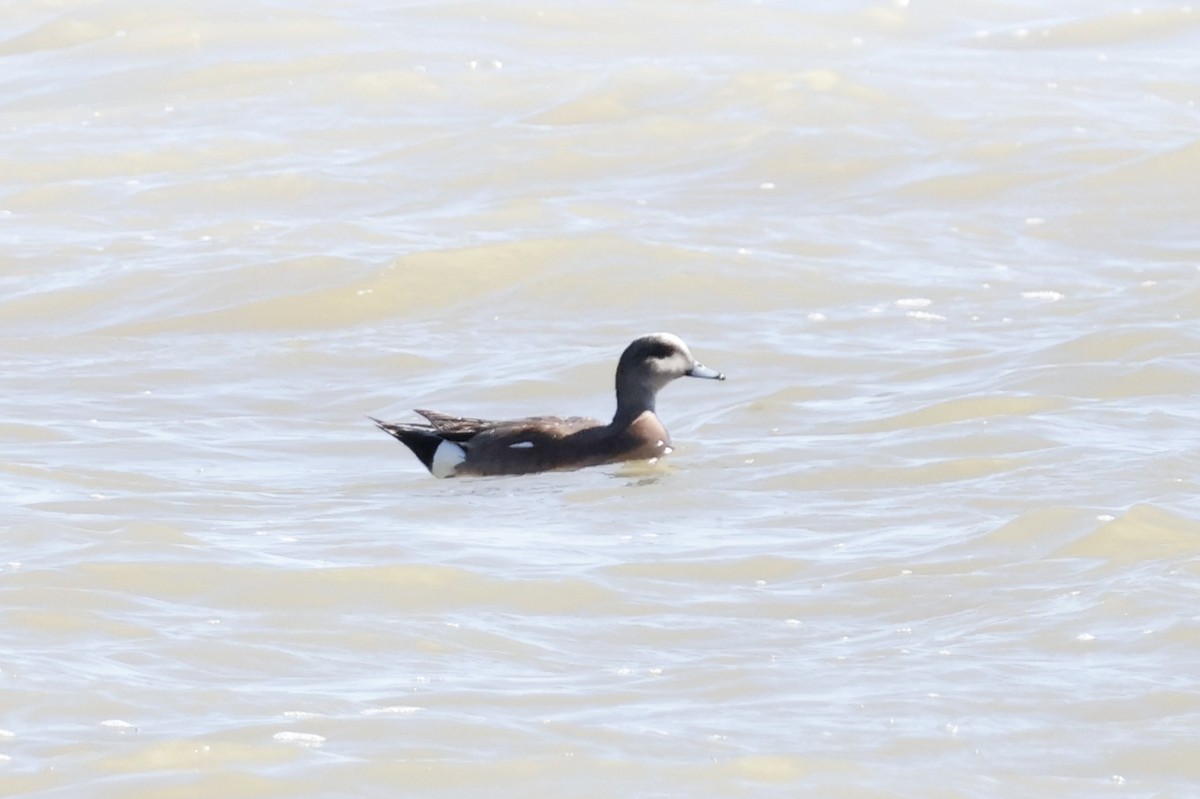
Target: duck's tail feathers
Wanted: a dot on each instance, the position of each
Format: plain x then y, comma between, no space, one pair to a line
437,454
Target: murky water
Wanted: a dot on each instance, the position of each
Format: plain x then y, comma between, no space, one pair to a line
937,535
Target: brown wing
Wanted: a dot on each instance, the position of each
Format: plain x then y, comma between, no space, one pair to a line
463,428
537,444
549,426
455,428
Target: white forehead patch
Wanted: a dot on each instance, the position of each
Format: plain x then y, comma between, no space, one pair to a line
521,445
670,338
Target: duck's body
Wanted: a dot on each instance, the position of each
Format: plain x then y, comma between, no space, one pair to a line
452,446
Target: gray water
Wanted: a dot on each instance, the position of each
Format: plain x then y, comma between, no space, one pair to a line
937,536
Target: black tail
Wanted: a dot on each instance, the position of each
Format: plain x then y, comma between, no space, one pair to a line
423,440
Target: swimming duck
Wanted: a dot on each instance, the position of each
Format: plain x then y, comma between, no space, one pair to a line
451,446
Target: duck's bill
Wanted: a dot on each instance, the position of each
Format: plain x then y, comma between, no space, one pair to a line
700,370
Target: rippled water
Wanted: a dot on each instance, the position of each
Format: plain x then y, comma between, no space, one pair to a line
938,535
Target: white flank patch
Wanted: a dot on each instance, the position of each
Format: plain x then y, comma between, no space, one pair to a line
521,445
446,459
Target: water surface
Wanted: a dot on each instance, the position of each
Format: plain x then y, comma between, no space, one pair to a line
937,535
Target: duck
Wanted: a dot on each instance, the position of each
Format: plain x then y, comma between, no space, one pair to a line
456,446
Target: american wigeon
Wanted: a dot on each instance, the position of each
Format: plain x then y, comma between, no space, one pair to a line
450,446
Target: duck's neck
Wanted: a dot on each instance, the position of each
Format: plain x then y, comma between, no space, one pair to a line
632,402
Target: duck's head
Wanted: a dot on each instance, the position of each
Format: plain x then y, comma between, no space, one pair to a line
652,361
